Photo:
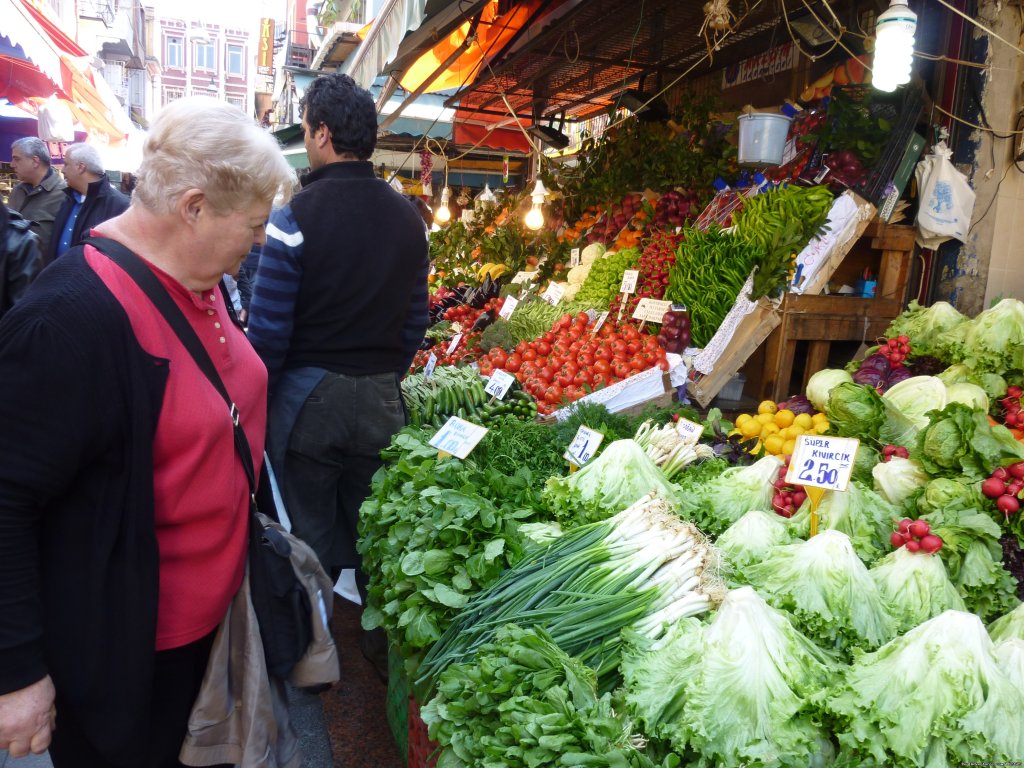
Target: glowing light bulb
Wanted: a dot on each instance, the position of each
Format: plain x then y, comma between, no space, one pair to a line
534,217
443,214
894,46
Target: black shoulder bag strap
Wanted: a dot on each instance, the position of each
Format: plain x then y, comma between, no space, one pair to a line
151,286
282,607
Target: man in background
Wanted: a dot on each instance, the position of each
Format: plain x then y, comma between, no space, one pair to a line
20,260
41,192
338,311
89,199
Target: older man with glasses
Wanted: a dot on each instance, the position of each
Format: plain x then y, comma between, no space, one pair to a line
41,192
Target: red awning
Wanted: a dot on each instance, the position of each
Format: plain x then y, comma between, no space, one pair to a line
474,135
20,80
52,29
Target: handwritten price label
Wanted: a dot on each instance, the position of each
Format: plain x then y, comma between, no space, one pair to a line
629,279
823,462
600,321
554,293
511,302
428,369
458,437
583,446
454,343
651,310
689,431
574,257
524,277
499,384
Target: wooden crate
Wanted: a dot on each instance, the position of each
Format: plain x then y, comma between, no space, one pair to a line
886,249
750,334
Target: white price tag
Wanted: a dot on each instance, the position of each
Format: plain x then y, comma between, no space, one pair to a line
428,369
689,431
574,257
454,343
583,446
499,384
824,462
591,316
458,437
524,277
629,278
600,321
554,293
651,310
508,307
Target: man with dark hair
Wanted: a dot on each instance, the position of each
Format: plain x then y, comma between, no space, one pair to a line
338,310
41,192
89,199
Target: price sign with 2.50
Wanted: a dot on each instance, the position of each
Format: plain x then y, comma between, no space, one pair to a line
823,462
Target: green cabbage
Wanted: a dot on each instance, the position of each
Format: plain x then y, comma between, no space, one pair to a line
620,475
948,493
993,384
959,441
915,586
855,410
716,503
735,691
750,539
923,326
898,479
858,512
992,341
828,589
969,394
1010,626
822,382
907,405
932,697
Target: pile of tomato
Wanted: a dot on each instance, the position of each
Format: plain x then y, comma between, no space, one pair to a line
570,361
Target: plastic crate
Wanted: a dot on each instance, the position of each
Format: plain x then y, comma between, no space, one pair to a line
422,751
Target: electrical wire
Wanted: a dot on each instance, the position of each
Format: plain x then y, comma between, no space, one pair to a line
995,196
980,26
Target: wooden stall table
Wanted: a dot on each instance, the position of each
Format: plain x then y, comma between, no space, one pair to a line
886,250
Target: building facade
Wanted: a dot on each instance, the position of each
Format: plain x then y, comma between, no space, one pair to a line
205,59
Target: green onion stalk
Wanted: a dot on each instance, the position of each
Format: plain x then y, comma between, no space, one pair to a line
641,569
669,449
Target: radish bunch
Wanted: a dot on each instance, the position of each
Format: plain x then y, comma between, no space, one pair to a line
895,350
916,536
898,451
1012,418
788,498
1005,485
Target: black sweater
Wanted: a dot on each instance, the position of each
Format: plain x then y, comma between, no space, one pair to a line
79,402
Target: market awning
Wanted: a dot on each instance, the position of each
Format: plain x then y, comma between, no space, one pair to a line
395,19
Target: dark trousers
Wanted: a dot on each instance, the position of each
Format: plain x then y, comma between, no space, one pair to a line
333,452
177,678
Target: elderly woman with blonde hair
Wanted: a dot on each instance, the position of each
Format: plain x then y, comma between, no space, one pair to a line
123,503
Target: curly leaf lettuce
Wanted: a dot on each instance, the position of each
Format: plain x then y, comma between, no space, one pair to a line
855,410
934,696
992,341
716,503
959,441
915,586
734,691
898,479
749,540
828,590
1008,627
858,512
924,325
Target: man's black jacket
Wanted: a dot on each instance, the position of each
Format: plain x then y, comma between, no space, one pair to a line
102,202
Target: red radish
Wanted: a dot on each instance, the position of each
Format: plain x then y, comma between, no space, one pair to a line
1015,487
897,539
1017,470
902,452
1007,504
905,526
912,545
799,497
993,487
931,544
919,529
1001,473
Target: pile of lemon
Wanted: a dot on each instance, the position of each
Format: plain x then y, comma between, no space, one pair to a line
777,430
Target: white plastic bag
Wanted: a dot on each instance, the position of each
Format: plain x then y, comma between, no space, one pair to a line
946,199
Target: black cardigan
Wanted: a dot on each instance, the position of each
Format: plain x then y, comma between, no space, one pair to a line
79,402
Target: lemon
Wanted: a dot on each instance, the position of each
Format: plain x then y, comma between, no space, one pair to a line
822,428
771,428
765,418
742,419
767,406
819,417
785,417
804,420
774,444
751,428
789,446
796,431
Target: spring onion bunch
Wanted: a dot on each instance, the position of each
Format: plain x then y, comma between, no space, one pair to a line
640,569
669,449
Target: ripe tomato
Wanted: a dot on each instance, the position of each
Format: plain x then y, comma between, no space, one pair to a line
543,348
633,346
545,373
553,394
601,366
599,380
529,354
621,369
564,378
514,363
619,348
637,364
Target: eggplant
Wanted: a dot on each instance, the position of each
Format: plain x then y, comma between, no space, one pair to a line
485,319
427,343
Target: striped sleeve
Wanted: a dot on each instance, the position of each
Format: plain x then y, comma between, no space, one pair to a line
275,290
418,317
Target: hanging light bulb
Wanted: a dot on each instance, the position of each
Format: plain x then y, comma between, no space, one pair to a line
443,214
485,198
535,216
894,46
